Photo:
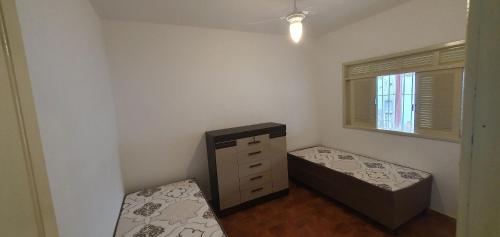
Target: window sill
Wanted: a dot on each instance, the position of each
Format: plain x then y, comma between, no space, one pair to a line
453,140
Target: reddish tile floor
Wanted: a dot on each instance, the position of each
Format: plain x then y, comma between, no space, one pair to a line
306,213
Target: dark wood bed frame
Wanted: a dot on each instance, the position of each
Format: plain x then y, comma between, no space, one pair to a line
389,208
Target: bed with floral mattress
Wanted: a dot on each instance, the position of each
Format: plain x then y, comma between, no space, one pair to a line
390,194
178,209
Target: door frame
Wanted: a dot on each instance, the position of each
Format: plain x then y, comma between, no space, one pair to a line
478,213
11,41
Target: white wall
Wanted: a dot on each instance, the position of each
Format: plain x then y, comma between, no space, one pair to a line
415,24
72,91
173,83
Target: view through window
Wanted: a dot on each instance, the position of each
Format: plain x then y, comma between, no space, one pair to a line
396,102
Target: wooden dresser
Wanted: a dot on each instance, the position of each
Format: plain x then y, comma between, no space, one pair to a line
247,165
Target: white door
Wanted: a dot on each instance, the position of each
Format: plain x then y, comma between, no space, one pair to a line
25,204
479,210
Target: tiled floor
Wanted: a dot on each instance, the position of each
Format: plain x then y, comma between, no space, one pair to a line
306,213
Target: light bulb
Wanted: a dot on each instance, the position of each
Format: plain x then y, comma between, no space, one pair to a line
296,31
295,21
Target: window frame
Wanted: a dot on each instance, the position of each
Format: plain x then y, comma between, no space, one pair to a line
436,66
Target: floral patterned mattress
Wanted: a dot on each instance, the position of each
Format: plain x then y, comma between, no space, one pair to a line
385,175
177,209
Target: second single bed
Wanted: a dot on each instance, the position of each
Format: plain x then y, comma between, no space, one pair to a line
388,193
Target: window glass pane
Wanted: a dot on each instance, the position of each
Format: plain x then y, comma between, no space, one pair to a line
395,102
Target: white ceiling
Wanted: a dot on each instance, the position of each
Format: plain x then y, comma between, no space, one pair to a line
243,14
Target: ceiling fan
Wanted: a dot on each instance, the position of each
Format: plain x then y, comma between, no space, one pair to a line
294,19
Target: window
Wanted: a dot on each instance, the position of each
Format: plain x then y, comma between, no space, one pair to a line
416,93
395,102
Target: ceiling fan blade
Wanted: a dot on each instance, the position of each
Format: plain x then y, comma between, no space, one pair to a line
309,8
266,20
309,11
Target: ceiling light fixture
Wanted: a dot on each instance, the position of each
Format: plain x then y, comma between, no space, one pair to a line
295,19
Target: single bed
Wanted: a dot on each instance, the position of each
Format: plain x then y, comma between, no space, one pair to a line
178,209
389,194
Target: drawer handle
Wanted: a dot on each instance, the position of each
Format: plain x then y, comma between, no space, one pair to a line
256,165
254,153
255,178
253,142
256,190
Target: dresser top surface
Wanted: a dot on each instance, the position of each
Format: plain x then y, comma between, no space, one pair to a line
244,129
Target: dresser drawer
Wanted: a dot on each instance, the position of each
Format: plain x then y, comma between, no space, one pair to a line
255,179
254,167
252,142
252,154
256,192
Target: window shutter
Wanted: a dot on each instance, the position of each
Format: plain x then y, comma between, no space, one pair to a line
452,55
432,59
362,102
373,67
438,98
435,106
418,60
